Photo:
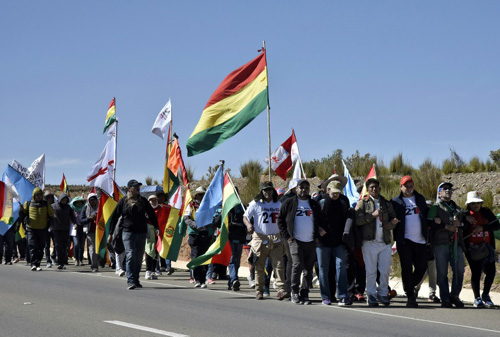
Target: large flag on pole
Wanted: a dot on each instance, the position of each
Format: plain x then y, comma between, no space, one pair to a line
241,97
211,201
284,156
35,173
230,200
371,174
22,186
106,207
9,202
101,174
162,120
110,116
170,180
350,189
64,185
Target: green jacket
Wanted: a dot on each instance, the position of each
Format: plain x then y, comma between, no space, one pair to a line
445,211
364,218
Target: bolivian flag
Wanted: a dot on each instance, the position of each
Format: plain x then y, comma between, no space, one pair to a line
105,209
229,201
371,174
64,185
6,205
110,116
170,180
241,97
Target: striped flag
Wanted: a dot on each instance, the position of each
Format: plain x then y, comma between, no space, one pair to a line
64,185
241,97
170,180
229,201
6,204
110,116
107,205
283,157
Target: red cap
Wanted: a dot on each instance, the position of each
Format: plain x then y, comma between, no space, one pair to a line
406,179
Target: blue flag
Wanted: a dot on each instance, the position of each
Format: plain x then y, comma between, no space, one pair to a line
350,189
211,201
23,186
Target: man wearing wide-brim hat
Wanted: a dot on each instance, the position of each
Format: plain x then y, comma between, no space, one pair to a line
324,185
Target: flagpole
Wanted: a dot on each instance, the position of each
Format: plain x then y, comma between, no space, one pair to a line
116,143
300,159
268,115
235,191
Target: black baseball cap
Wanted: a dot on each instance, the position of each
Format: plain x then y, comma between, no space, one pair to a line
133,182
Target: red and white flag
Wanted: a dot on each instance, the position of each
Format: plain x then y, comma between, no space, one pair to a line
371,174
101,174
284,156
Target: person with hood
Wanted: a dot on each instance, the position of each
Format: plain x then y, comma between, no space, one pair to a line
135,211
411,236
38,218
479,225
88,221
50,198
445,220
79,237
151,253
64,216
266,241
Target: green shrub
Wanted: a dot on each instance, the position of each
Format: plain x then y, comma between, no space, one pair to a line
399,166
359,165
427,178
148,180
249,167
476,165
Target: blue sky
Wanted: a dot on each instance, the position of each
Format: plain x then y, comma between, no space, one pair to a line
379,76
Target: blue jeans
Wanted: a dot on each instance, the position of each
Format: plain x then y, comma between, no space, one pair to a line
444,256
135,244
324,254
79,245
234,262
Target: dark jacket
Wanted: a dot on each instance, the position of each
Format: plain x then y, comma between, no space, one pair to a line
64,215
336,214
487,215
368,224
400,209
86,222
237,229
134,218
446,212
286,217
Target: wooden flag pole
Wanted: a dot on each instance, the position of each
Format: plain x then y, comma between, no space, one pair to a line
268,116
116,143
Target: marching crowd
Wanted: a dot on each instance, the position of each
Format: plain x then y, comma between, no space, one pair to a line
288,235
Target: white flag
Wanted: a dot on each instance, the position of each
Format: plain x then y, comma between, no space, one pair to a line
176,200
296,170
161,122
101,174
35,173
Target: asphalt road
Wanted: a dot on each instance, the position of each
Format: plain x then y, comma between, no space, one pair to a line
76,302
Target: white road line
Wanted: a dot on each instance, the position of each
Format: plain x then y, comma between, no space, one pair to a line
416,319
145,328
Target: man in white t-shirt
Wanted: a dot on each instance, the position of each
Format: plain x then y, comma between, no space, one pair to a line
299,220
411,236
266,241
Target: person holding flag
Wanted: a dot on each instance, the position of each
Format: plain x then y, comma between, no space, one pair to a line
266,241
135,211
87,219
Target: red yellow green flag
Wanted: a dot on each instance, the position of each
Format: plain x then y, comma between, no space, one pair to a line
6,204
110,116
241,97
105,209
229,201
64,185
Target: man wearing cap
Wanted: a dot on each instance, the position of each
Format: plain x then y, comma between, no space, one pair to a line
39,217
376,218
266,241
135,211
411,237
299,220
199,239
337,215
445,220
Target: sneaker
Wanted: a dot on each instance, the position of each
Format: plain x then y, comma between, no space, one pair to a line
38,268
456,302
446,304
95,270
211,281
197,284
138,284
384,300
305,300
16,260
236,285
266,292
326,302
259,295
170,271
33,268
153,276
296,299
148,275
412,302
121,272
434,299
131,286
49,265
392,293
8,263
60,267
81,264
191,280
372,301
359,297
251,282
163,269
203,285
158,273
487,301
281,295
344,301
478,303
